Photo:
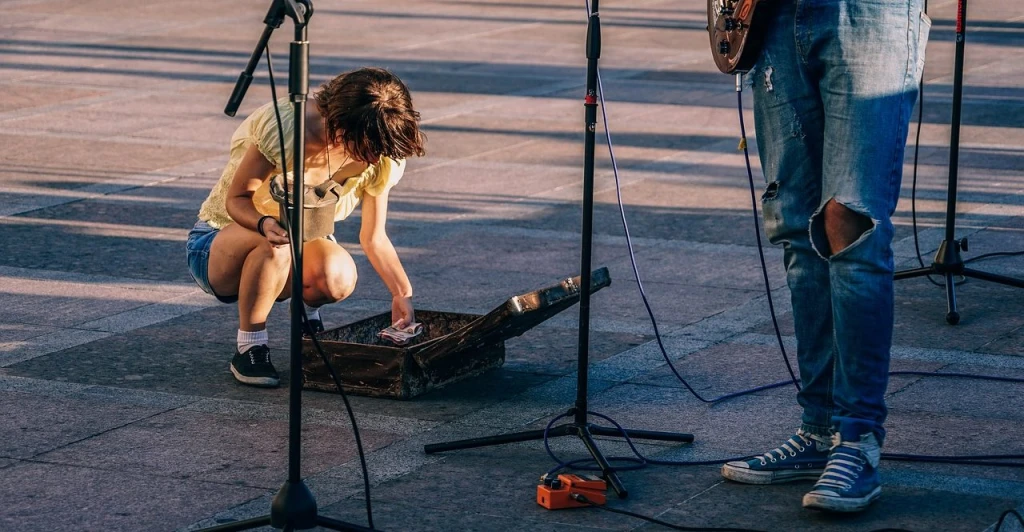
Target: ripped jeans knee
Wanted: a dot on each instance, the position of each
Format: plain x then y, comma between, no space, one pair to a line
837,227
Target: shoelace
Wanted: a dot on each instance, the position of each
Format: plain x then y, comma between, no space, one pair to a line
844,466
252,355
790,448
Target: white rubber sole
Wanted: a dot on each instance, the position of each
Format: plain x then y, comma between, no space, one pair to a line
749,476
827,503
259,382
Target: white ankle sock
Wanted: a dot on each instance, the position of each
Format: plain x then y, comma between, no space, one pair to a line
248,339
312,313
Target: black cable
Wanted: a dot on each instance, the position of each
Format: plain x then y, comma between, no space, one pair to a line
993,255
913,182
757,228
297,300
1015,513
579,497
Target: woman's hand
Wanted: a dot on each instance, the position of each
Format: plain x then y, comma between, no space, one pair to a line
402,314
274,232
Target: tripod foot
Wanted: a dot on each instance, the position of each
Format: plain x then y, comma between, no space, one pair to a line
953,317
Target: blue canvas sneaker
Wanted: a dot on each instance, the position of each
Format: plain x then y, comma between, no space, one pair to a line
802,457
850,482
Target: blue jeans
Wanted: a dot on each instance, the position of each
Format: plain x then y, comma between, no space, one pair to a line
834,90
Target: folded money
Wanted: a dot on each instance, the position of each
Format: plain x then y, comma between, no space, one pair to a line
403,335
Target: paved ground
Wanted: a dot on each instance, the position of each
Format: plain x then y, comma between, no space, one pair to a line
116,406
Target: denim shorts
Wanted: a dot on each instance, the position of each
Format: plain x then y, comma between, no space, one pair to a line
200,238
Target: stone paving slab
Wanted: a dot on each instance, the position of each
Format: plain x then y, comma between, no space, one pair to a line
219,449
746,506
85,498
35,425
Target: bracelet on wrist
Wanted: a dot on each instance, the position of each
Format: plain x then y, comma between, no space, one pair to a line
259,225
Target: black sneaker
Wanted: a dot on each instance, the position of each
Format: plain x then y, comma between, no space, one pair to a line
316,326
254,368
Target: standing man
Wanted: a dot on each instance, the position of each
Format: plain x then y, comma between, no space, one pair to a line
834,89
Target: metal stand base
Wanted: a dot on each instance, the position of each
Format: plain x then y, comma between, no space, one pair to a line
585,431
293,508
949,264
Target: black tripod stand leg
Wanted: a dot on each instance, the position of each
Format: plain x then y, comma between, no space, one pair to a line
635,434
606,468
334,524
1001,279
499,439
952,316
247,524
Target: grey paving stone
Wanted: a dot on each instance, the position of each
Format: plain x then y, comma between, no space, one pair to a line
20,98
778,508
950,434
739,267
86,161
399,514
455,401
46,305
41,496
220,449
696,225
99,250
554,351
17,332
921,310
726,368
183,367
474,180
475,247
33,425
673,304
1009,344
981,399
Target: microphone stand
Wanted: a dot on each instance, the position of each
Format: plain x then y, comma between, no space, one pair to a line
948,261
293,508
580,426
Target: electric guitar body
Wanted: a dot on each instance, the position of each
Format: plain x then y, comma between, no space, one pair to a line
736,30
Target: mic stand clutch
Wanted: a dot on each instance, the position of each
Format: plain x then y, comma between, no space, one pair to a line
948,261
294,507
580,427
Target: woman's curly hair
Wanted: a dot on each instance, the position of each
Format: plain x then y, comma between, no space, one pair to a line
370,112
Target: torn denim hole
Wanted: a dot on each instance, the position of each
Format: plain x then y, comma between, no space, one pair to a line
819,240
768,71
771,191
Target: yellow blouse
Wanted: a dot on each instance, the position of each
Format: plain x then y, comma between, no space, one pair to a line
260,129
